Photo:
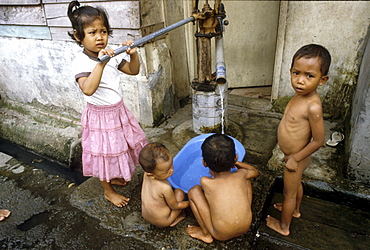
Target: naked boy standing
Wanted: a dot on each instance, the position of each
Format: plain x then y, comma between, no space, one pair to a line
301,130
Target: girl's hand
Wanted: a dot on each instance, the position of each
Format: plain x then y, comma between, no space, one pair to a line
129,50
109,52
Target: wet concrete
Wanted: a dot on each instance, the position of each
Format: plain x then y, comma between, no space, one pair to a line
323,225
50,212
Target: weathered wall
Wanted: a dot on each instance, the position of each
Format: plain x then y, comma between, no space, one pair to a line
341,27
37,70
359,140
37,54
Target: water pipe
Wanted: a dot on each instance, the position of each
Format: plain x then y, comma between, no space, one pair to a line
220,62
148,37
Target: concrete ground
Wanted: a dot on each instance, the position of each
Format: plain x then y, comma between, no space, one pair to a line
50,212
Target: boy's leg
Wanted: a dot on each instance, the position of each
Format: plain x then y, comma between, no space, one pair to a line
292,185
200,208
177,215
114,197
297,213
299,200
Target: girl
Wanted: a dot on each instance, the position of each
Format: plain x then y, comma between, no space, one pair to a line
111,137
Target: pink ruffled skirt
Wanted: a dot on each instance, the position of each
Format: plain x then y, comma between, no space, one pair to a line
111,141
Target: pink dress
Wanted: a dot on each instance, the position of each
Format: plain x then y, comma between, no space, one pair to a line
111,141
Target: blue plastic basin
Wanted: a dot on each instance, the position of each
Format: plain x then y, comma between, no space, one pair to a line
188,166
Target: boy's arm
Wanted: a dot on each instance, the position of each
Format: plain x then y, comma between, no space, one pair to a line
316,121
171,201
252,171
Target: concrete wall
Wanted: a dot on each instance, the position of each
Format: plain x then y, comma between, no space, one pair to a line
340,26
359,140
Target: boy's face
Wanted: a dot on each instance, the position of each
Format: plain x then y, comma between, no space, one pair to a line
305,75
96,37
164,169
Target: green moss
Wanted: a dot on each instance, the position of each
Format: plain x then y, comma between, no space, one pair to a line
338,101
214,129
17,108
279,104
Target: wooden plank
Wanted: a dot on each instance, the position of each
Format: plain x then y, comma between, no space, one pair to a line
33,32
119,35
151,11
22,15
20,2
122,14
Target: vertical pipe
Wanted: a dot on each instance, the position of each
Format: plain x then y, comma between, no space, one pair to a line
220,62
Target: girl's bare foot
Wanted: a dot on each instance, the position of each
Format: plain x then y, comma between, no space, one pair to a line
274,224
4,213
118,181
179,218
196,232
279,206
117,199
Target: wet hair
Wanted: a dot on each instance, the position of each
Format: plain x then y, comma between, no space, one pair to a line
218,152
150,154
80,16
314,50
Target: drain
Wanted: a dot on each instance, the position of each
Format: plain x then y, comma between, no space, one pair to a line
40,162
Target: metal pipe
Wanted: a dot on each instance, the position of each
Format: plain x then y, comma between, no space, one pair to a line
220,62
148,38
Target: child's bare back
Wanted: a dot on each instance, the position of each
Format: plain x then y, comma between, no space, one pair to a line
159,202
222,204
161,205
229,199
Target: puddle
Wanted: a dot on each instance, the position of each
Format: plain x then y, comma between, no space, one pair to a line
35,220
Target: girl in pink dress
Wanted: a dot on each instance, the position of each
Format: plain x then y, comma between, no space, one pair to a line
111,137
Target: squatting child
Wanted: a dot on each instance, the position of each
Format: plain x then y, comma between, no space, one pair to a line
301,130
161,205
111,136
222,204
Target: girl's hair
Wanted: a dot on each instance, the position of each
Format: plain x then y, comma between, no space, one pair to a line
314,50
150,154
218,152
80,16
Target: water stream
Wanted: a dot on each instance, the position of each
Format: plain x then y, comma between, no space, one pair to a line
222,89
